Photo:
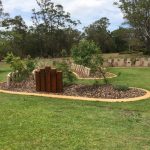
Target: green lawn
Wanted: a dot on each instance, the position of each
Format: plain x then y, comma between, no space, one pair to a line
4,70
30,123
138,77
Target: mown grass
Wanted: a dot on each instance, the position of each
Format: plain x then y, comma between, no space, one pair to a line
4,70
28,122
134,77
42,123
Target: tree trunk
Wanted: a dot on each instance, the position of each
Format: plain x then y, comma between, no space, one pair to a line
148,45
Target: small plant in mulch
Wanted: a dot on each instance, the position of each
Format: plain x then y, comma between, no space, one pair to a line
96,83
121,87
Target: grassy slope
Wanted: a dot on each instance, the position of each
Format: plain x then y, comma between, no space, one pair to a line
42,123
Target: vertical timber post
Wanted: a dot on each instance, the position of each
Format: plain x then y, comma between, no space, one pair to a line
59,82
48,79
53,81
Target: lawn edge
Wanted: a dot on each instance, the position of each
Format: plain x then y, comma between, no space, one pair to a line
146,96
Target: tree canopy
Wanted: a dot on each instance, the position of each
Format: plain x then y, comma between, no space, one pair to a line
137,13
99,33
53,31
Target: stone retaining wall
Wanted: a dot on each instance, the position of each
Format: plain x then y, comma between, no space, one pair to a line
121,62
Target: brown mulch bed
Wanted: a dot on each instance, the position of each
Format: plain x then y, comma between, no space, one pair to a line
24,86
91,91
103,91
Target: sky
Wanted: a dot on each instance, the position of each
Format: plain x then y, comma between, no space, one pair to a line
87,11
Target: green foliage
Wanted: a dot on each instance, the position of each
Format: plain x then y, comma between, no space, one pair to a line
23,67
68,77
126,40
15,35
102,72
30,64
85,52
52,30
121,39
53,26
99,33
137,15
119,74
9,58
121,87
96,61
63,53
96,83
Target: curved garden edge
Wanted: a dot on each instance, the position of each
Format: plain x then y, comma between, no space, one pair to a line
146,96
113,76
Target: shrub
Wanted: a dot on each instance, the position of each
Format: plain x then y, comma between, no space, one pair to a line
85,52
68,77
30,64
23,67
96,83
121,87
9,58
64,53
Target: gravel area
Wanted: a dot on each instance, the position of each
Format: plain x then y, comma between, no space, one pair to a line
103,91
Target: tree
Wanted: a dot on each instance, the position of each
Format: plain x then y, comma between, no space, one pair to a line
3,15
15,32
85,53
137,13
120,37
50,22
98,32
51,32
126,40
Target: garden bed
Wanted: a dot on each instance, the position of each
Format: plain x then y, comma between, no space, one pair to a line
102,91
95,76
77,90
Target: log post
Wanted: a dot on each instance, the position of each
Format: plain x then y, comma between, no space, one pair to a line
59,82
53,81
48,79
43,80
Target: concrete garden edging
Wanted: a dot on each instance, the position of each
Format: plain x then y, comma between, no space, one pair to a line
146,96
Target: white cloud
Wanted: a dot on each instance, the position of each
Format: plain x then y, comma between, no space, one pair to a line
22,5
87,11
